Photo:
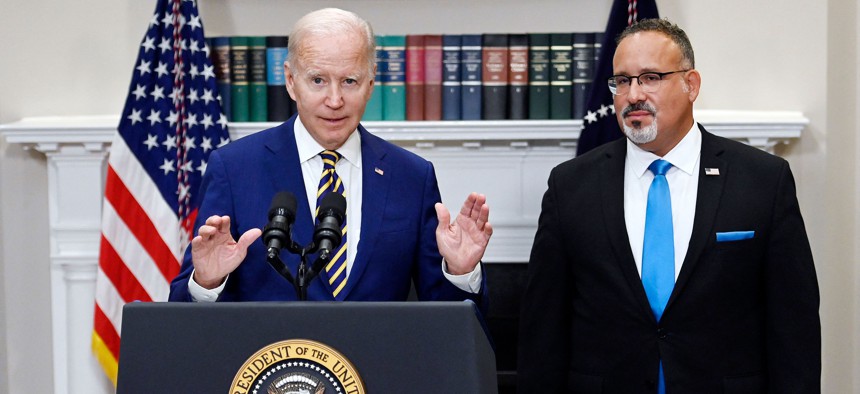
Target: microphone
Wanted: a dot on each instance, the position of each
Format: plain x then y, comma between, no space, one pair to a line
282,214
332,213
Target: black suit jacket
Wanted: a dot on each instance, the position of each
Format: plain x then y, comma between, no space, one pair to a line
743,315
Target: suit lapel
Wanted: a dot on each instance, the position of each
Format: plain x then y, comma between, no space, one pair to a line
373,201
707,204
283,160
612,192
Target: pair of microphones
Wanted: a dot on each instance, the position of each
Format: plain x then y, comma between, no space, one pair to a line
327,232
277,235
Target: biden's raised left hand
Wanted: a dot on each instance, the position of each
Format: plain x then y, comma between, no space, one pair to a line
462,242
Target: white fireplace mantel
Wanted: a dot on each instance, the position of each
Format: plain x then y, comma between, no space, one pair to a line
509,161
762,129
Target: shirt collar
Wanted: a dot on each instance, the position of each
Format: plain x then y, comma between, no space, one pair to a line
683,156
309,148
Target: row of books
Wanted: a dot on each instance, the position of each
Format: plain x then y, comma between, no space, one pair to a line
250,77
428,76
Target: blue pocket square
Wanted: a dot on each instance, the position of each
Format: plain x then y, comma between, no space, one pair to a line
734,236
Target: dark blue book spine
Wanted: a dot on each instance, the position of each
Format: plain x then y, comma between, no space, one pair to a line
382,75
451,89
220,56
583,71
471,76
373,109
598,48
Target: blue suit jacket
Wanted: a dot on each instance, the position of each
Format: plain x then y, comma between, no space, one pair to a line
398,242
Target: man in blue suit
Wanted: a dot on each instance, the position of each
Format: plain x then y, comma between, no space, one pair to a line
398,232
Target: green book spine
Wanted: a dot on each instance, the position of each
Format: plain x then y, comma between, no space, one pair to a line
538,76
239,95
373,110
561,76
394,92
257,79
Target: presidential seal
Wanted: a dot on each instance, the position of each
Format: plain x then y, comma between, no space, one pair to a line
297,366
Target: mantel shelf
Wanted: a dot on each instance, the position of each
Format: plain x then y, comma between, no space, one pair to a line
763,129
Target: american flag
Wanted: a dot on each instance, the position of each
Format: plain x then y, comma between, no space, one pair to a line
599,124
171,122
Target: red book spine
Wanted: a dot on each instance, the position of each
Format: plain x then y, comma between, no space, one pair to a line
518,76
495,76
415,78
433,77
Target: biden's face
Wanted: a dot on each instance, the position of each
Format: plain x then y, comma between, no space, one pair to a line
331,85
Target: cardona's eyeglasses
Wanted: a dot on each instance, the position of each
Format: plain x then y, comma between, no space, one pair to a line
650,82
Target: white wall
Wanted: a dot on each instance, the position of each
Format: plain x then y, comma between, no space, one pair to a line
75,58
58,58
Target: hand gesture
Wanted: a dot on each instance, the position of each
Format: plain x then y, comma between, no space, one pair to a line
463,242
215,254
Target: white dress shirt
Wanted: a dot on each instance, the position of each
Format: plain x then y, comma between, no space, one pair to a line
683,182
348,168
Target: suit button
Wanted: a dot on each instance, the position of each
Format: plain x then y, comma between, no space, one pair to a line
662,333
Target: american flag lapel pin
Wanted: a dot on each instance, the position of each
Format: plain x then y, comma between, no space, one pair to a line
378,170
712,171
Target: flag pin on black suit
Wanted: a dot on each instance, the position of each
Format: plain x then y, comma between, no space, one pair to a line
712,171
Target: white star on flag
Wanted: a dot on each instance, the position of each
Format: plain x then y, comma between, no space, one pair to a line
604,110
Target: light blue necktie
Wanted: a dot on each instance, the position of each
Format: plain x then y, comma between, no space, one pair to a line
658,252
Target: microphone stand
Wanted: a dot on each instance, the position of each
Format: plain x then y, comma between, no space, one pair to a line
304,275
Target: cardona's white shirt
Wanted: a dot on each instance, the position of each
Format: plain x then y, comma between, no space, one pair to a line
683,182
348,168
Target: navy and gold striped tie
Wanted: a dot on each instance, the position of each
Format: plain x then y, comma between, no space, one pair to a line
330,182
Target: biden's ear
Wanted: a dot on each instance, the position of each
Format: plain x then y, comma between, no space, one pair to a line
289,79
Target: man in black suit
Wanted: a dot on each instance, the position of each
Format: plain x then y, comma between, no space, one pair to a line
729,306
